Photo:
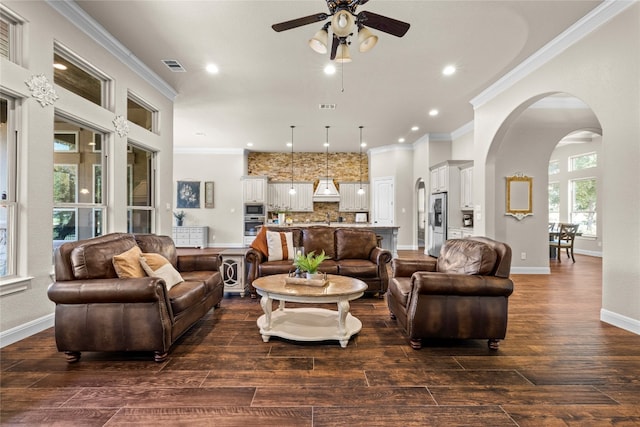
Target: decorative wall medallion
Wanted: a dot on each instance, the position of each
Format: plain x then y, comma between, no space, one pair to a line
42,90
122,127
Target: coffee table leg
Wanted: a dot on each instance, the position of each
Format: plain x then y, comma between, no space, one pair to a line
266,303
343,310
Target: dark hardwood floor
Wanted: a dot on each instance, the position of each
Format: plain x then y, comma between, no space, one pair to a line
558,366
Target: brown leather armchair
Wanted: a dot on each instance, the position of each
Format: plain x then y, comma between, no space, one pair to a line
98,311
462,294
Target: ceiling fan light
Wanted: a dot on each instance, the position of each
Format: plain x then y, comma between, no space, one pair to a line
366,39
320,41
341,23
342,54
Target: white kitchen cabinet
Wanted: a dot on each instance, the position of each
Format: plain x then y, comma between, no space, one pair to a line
254,189
233,271
454,233
467,232
279,197
350,200
191,237
466,187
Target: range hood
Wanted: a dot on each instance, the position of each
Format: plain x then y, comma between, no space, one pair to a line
326,191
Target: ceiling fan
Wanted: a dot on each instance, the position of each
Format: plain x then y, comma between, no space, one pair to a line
343,20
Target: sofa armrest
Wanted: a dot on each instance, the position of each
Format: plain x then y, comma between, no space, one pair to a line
380,256
201,262
425,283
253,258
96,291
406,267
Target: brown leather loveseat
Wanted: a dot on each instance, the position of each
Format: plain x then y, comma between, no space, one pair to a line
463,294
98,311
353,252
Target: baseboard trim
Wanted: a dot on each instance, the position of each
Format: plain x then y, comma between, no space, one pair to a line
530,270
25,330
620,321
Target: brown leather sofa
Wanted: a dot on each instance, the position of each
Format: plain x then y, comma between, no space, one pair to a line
461,294
97,311
353,252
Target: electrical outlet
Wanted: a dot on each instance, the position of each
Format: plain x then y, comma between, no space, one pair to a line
523,255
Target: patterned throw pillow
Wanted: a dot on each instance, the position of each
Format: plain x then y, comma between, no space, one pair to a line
280,245
155,265
127,264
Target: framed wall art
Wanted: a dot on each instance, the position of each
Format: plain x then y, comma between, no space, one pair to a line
208,194
188,195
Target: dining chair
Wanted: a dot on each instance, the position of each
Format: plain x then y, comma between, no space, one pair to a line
564,239
552,226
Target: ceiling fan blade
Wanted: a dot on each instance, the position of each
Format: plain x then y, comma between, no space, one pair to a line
294,23
334,47
383,23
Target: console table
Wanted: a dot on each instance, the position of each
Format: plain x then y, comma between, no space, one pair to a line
191,237
233,271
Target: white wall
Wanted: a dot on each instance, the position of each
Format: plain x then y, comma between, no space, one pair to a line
602,70
225,169
35,168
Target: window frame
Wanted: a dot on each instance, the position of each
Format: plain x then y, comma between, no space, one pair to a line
131,96
572,159
555,213
15,33
572,211
10,203
152,184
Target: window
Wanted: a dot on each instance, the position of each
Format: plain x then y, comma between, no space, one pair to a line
583,205
140,187
8,205
583,161
78,77
10,36
78,183
554,202
140,113
554,167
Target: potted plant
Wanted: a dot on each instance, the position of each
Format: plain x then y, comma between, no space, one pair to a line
179,217
309,263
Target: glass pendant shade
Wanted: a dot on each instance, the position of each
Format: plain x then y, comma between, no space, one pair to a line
320,41
342,54
366,39
341,23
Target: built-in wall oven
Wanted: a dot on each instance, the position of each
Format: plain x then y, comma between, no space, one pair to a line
252,224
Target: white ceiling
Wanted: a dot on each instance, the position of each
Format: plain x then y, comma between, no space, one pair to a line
269,81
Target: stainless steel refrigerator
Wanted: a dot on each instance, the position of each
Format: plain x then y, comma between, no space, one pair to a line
437,222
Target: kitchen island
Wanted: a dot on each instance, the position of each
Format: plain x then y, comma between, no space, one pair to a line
388,233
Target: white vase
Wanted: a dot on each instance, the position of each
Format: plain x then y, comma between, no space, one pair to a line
281,218
315,276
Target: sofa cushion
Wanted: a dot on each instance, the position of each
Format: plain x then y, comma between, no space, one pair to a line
127,264
94,259
163,245
186,295
318,239
155,265
275,267
400,288
357,268
354,244
280,245
462,256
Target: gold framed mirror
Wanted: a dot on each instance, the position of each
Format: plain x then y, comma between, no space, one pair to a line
519,196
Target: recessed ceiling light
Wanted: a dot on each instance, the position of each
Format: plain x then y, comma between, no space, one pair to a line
415,128
289,144
449,70
249,144
433,112
325,144
400,140
212,69
363,144
59,66
330,69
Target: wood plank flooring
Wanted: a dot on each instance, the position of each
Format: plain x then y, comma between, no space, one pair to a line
559,366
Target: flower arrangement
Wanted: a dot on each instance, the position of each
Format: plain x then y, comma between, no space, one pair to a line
179,215
310,262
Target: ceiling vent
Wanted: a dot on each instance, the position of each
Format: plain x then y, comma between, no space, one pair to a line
174,65
327,106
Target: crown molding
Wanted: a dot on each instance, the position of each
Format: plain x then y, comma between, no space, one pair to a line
81,19
583,27
205,150
390,148
434,137
462,130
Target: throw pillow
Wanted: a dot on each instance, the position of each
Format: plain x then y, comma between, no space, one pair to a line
280,245
155,265
260,242
127,264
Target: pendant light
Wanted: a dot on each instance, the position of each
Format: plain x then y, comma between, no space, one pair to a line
326,144
361,190
292,190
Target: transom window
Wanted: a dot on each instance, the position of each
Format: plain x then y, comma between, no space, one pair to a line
141,113
76,76
583,161
10,36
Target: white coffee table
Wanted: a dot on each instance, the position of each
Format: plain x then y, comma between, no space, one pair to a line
309,323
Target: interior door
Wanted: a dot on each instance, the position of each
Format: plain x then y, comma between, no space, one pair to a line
383,201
